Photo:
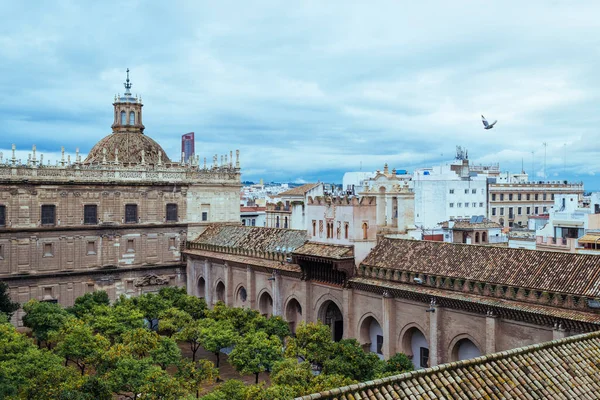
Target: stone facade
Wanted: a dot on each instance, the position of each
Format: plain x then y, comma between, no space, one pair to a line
396,305
116,221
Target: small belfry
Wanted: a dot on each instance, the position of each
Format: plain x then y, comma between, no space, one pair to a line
128,111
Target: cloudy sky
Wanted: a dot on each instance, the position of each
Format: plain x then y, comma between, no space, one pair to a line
308,90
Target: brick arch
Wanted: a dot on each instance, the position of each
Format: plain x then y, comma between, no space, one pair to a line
404,344
216,291
324,298
201,290
237,300
454,345
265,307
291,315
364,329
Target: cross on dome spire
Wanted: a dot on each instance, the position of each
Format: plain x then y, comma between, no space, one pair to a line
127,83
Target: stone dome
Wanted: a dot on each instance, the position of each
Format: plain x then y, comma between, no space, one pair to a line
130,146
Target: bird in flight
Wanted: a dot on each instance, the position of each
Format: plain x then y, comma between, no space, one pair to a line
487,125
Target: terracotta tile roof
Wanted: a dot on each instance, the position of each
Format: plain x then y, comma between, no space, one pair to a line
467,224
299,191
492,302
326,250
251,237
255,261
252,209
557,272
561,369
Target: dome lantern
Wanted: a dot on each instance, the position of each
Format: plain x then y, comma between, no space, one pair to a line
128,112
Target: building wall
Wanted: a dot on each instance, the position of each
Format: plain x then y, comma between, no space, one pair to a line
444,330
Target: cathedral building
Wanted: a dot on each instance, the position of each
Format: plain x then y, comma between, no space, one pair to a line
116,220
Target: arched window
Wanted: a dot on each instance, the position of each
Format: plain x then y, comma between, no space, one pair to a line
314,228
483,237
476,237
123,118
365,229
131,118
277,222
346,228
285,222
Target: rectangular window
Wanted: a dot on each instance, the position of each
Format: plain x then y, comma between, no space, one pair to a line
510,196
528,196
544,196
528,210
253,222
474,204
519,210
90,214
48,250
424,357
379,344
2,215
552,196
510,212
466,204
172,244
91,247
494,211
545,210
480,204
493,196
451,205
1,252
131,213
501,196
466,191
501,210
519,196
172,212
204,216
244,222
536,196
459,205
451,191
48,214
537,210
473,191
130,246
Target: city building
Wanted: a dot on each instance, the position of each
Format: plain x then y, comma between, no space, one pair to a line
344,220
353,182
451,191
436,302
567,222
253,215
288,213
188,145
514,200
115,221
476,230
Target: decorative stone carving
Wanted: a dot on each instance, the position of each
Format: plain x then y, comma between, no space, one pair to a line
151,280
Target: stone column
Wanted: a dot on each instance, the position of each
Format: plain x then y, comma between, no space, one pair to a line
348,312
250,288
434,317
559,332
389,210
491,321
277,297
306,302
208,289
389,324
380,209
228,284
191,277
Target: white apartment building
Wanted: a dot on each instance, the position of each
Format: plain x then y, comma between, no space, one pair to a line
450,191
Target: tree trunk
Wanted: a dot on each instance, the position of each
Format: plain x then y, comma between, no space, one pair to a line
256,373
218,358
82,368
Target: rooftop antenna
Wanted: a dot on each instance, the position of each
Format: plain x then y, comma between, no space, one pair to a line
522,166
545,147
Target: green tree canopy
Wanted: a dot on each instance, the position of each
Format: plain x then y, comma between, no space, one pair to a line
172,320
351,361
191,334
215,335
76,342
166,353
312,343
398,363
43,317
85,304
7,306
256,352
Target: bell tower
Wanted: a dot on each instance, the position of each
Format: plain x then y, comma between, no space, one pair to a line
128,112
